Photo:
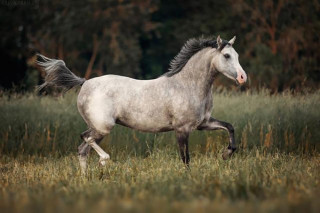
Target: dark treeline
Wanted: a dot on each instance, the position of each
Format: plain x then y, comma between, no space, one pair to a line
278,41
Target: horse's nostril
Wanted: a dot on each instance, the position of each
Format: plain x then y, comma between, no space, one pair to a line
241,76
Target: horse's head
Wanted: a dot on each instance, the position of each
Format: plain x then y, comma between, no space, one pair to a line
227,61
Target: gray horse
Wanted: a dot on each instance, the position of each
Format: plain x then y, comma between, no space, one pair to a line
180,100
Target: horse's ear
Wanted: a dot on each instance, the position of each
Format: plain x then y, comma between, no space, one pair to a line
232,40
219,42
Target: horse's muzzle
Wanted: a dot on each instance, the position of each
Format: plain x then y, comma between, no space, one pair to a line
241,77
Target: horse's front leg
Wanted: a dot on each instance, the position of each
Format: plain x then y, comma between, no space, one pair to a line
182,139
214,124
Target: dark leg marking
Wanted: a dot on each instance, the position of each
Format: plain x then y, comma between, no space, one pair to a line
214,124
182,139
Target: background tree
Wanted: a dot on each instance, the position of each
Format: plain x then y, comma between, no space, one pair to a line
278,40
279,34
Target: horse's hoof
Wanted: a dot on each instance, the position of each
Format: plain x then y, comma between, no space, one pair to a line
228,153
103,161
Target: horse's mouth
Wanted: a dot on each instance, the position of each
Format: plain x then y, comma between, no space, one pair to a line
238,83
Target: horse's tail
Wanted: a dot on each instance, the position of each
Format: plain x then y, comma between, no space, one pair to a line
57,74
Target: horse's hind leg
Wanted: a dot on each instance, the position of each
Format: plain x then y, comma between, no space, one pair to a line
83,152
92,138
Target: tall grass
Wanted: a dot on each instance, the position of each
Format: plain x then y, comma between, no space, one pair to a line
45,125
276,168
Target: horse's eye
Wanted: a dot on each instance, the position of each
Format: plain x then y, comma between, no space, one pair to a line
227,56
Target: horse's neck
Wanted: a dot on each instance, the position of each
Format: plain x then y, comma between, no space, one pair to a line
198,74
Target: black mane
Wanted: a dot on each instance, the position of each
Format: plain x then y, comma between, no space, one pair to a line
191,47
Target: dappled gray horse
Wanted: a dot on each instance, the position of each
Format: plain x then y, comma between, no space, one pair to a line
179,100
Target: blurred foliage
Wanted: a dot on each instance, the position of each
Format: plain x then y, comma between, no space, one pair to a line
278,41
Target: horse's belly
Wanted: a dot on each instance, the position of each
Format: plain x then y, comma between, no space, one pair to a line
145,122
144,128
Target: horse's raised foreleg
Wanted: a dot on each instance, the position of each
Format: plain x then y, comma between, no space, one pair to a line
214,124
92,139
182,139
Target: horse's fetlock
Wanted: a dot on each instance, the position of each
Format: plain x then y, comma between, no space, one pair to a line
232,148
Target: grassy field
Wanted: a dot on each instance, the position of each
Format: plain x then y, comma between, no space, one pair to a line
276,168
